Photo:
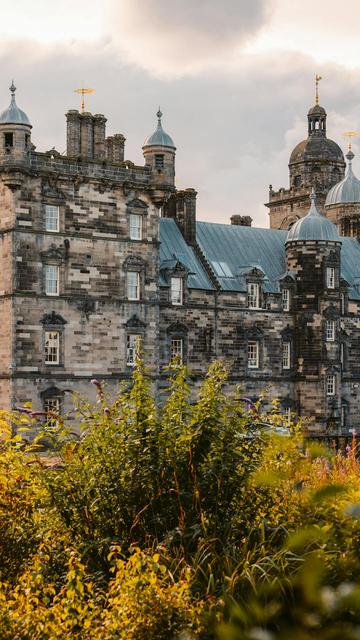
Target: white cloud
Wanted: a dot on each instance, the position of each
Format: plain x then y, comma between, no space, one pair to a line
176,37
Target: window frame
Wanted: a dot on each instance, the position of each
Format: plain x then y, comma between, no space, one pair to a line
129,274
176,358
330,384
330,278
46,268
285,299
47,402
139,217
47,218
286,355
177,300
330,330
159,161
47,361
251,297
133,349
254,361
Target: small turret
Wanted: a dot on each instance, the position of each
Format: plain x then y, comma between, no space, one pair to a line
15,132
159,153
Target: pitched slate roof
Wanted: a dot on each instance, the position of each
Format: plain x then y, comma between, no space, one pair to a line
173,248
233,251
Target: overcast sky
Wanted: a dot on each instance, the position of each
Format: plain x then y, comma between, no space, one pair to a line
234,79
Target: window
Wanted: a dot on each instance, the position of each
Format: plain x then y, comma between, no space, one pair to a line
133,285
9,140
51,277
176,350
253,354
135,226
330,384
51,218
286,355
286,299
297,181
27,140
159,161
132,347
176,291
253,295
330,278
52,405
52,347
330,331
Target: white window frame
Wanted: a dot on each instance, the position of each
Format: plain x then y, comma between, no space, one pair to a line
286,355
52,218
133,285
253,354
286,299
132,347
52,405
52,347
330,277
135,226
330,384
253,295
330,330
176,350
177,291
51,279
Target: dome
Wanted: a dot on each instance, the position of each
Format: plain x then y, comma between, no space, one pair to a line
159,138
317,110
316,147
14,115
313,226
348,190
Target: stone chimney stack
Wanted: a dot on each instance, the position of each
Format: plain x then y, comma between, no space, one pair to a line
115,147
87,136
241,221
99,136
73,133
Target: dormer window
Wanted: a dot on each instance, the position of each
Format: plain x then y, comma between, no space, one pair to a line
330,330
159,161
253,294
176,290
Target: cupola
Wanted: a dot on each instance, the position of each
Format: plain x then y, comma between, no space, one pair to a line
313,227
15,132
347,190
159,153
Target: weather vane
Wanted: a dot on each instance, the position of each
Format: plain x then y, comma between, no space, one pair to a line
351,135
317,80
83,91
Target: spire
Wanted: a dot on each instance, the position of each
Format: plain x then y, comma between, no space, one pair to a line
313,210
12,91
159,116
317,80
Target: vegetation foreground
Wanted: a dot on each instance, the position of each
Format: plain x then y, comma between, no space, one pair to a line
193,520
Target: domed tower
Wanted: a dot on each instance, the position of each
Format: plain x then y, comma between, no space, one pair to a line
342,203
159,153
316,162
313,249
15,133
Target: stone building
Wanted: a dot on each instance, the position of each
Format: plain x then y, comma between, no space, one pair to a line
97,253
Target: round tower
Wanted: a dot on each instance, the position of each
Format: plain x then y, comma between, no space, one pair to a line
15,133
159,153
342,203
313,249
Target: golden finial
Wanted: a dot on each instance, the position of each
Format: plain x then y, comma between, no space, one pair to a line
317,80
351,135
83,92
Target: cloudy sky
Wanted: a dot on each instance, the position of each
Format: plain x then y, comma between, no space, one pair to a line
234,79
